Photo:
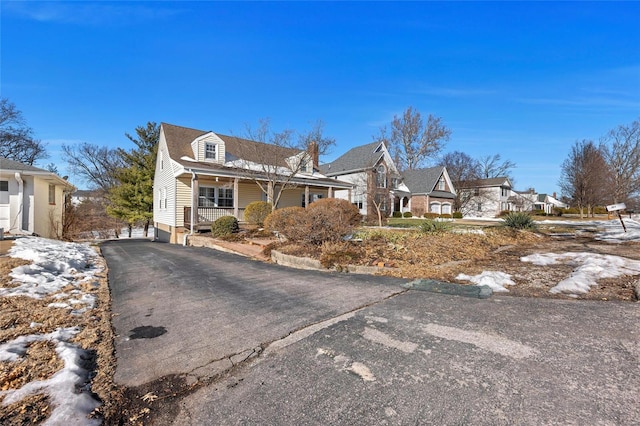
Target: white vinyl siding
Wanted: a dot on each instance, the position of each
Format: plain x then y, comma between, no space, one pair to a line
164,179
199,147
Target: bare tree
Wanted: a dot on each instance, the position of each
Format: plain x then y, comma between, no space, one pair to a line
412,141
95,165
16,138
583,174
315,142
271,159
493,167
464,171
621,150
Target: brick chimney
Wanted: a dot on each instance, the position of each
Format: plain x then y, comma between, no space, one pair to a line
315,154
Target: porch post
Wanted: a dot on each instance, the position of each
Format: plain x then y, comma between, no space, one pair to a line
306,196
270,192
235,197
330,192
195,193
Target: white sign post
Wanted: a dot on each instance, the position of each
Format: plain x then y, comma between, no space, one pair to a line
617,208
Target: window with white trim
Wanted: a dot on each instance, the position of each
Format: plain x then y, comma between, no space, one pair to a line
434,208
210,151
446,208
441,185
225,197
505,191
381,176
52,194
358,201
210,196
4,192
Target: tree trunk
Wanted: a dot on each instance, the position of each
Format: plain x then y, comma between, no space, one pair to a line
130,229
146,228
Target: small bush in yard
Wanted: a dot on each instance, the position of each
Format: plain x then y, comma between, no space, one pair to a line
330,219
407,214
285,221
255,213
431,226
397,214
457,215
430,215
519,220
225,225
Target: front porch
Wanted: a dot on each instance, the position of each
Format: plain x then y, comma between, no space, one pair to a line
205,216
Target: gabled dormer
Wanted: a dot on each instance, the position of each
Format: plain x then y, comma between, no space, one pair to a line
209,148
301,163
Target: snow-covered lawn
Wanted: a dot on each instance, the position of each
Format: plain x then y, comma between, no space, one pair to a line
588,267
64,271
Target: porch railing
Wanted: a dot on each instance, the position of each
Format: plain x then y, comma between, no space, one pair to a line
207,215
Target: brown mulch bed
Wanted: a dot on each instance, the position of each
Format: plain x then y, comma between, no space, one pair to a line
444,255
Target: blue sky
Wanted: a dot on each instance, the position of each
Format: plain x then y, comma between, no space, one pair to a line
524,80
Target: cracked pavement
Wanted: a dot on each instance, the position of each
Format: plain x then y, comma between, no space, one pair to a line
217,308
261,344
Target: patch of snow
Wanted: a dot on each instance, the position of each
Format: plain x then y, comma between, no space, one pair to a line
614,233
69,405
494,279
589,267
56,266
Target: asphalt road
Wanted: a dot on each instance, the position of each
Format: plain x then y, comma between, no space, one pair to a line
405,358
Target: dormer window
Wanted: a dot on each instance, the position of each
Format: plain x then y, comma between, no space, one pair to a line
211,151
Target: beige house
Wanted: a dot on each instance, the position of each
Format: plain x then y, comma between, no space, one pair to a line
31,199
201,176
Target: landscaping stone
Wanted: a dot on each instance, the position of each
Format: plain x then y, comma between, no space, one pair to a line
435,286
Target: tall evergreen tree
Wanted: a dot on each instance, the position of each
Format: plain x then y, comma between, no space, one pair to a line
132,198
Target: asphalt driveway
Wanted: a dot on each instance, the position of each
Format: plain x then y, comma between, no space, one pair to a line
317,348
186,310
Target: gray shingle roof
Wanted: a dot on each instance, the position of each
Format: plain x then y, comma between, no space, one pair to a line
6,164
422,181
358,158
498,181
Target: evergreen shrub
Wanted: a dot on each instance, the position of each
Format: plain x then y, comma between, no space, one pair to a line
225,225
255,213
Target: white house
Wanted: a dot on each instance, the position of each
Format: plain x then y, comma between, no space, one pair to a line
31,199
201,176
487,197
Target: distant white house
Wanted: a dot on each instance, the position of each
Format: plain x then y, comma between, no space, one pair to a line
31,199
487,197
490,197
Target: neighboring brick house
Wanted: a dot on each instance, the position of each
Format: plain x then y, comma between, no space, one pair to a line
431,191
376,178
31,199
374,175
201,176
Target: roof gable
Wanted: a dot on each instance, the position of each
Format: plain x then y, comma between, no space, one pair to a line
358,158
425,181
